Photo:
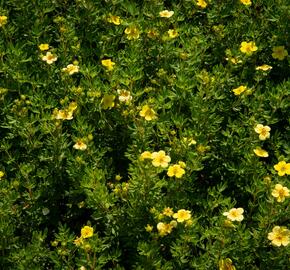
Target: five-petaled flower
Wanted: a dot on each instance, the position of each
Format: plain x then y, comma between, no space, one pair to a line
248,47
235,214
263,131
239,90
108,64
175,170
87,231
261,152
279,52
279,236
71,69
49,58
201,3
80,145
182,215
246,2
160,159
148,113
43,47
167,211
124,96
282,168
3,20
280,193
166,13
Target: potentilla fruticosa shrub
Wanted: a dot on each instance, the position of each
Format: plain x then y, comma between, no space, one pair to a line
144,134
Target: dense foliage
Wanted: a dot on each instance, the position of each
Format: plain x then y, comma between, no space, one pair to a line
144,134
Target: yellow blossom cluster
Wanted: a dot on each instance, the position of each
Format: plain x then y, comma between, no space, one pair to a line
164,228
86,232
160,159
65,114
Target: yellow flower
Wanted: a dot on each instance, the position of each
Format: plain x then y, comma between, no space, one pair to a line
248,47
167,212
279,236
132,32
124,96
1,174
87,232
80,145
264,67
172,33
148,228
3,20
49,58
261,152
160,159
145,155
148,113
246,2
108,63
43,47
282,168
114,19
239,90
201,3
78,241
175,170
108,101
226,264
63,114
164,228
280,193
263,131
182,215
166,13
71,69
279,52
235,214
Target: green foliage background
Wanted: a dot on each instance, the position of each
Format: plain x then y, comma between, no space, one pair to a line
51,190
